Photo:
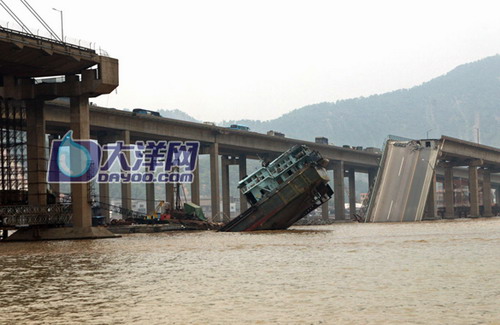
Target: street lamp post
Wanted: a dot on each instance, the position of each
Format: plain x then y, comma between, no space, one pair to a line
427,133
62,24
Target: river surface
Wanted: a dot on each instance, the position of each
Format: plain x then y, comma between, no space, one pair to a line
445,272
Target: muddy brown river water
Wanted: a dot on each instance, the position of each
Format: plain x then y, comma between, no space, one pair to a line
445,272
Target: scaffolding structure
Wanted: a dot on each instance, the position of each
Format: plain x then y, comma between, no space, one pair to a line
13,158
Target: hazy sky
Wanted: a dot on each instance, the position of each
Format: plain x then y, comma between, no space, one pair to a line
220,60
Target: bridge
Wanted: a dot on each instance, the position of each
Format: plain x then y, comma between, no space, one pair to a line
29,112
82,74
235,146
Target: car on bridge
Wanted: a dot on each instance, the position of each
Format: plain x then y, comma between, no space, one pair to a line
140,111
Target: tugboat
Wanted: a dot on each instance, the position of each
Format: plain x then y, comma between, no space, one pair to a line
284,191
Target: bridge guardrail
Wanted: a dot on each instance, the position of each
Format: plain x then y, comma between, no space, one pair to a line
24,215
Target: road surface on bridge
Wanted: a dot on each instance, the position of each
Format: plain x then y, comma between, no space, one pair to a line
403,186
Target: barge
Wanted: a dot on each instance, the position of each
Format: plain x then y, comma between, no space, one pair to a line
283,192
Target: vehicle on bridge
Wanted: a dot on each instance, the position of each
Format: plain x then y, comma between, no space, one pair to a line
275,134
239,127
141,111
286,190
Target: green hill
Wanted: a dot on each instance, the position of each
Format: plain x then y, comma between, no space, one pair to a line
455,104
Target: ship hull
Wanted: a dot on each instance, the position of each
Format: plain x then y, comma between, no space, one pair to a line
291,201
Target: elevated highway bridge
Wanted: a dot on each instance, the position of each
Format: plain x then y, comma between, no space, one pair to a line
236,146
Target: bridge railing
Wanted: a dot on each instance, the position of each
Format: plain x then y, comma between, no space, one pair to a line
44,35
24,215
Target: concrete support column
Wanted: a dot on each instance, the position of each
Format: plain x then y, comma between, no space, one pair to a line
195,186
487,199
372,174
338,185
431,206
126,187
214,180
80,124
37,160
170,194
497,195
226,204
448,193
55,187
324,211
150,197
473,192
104,191
243,173
352,192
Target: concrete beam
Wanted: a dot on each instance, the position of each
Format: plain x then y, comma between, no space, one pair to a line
251,143
456,148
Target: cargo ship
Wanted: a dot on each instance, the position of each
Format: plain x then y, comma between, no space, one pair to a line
283,192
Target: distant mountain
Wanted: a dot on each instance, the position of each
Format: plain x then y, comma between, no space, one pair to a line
455,104
177,114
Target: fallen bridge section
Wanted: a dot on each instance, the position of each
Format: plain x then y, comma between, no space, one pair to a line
404,180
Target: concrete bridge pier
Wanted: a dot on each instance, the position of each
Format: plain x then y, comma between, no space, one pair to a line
487,198
126,188
80,124
226,204
338,189
431,204
372,174
104,198
81,210
150,198
242,168
325,211
36,153
195,186
170,195
55,187
473,191
449,195
150,194
352,191
214,180
497,195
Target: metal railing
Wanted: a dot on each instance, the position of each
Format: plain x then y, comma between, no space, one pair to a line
41,34
28,215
